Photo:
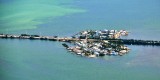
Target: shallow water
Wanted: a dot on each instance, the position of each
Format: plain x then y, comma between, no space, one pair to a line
28,14
47,60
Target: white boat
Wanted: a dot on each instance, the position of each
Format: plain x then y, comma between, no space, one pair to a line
92,56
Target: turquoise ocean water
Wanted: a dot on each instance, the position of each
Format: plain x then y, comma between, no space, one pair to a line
46,60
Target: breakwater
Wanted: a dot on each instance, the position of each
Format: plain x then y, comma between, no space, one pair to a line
139,42
70,39
135,42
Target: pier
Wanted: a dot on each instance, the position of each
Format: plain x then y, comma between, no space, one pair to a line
69,39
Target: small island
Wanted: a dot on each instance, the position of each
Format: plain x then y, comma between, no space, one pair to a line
97,43
91,43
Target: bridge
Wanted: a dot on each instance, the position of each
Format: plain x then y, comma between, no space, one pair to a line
69,39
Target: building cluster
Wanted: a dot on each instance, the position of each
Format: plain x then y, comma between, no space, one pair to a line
101,34
96,49
101,47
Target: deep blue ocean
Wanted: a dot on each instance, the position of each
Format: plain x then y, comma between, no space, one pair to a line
47,60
